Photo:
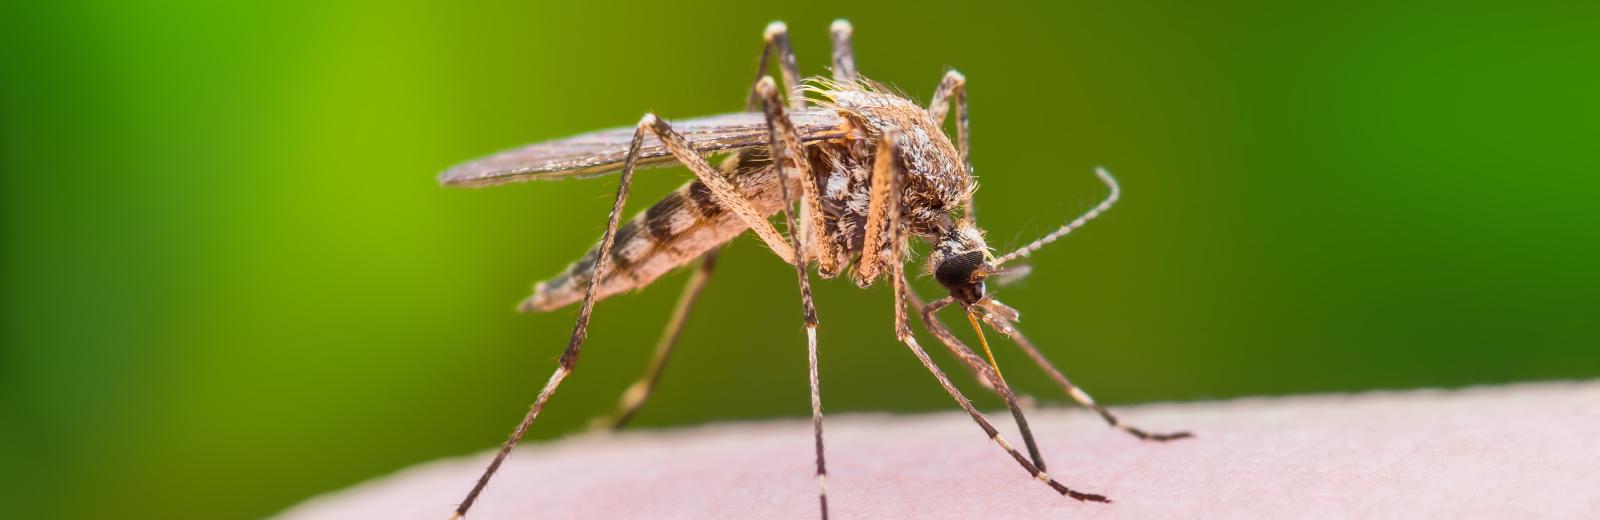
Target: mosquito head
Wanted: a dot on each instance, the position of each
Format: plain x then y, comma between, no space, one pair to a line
961,262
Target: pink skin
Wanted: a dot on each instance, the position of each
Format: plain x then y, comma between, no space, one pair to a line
1522,451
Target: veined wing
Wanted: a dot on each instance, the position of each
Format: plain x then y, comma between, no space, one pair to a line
602,152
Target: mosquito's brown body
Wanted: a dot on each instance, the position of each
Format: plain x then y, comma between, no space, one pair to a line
689,222
866,169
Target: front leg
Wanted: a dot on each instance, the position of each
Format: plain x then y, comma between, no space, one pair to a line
1007,327
986,374
896,264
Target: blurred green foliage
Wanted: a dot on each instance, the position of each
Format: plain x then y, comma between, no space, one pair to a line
230,281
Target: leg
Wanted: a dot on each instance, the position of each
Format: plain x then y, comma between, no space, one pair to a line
782,138
1068,228
784,134
885,179
776,38
888,164
580,330
844,58
985,372
1005,326
938,329
634,397
722,191
955,84
989,429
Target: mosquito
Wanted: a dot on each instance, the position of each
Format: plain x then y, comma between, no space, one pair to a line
857,170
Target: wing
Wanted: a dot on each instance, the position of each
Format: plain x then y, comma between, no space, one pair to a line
602,152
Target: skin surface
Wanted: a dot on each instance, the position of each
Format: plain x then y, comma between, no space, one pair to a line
1520,451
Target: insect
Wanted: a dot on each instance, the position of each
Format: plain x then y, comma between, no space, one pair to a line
857,170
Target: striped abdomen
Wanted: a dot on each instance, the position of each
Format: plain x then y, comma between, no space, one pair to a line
673,232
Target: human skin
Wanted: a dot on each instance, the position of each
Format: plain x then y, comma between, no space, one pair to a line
1521,451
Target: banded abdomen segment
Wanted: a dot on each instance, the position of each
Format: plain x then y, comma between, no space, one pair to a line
672,232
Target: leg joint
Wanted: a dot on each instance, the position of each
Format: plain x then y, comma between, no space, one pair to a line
841,27
766,87
775,30
955,78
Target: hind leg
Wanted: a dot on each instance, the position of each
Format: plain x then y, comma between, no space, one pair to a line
634,397
580,330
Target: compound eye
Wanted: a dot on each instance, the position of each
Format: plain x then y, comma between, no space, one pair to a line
955,272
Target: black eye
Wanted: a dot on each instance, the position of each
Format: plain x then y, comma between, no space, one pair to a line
956,271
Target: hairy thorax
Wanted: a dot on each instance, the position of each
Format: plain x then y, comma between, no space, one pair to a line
935,184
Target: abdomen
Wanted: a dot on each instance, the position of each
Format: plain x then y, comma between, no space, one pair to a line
671,233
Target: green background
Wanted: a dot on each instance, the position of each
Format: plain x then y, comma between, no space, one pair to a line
231,282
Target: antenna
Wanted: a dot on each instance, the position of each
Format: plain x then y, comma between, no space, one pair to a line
1116,191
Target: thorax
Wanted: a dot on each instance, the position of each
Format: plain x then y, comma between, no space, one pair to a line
935,182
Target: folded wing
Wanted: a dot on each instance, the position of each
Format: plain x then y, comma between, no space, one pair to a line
602,152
